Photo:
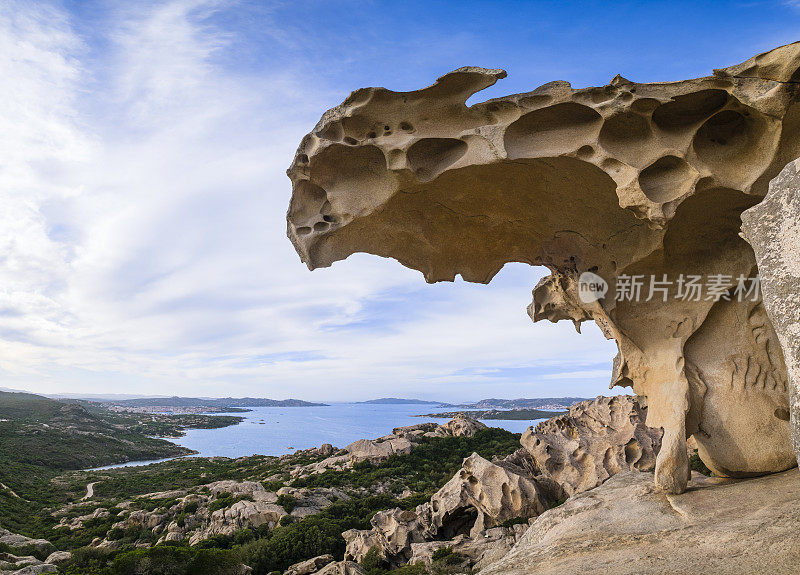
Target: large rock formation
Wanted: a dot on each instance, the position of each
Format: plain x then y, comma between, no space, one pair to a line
484,494
627,527
773,229
593,441
615,189
468,512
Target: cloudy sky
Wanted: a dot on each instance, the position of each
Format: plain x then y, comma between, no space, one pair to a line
142,155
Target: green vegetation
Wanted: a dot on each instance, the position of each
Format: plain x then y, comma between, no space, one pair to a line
697,464
158,560
41,439
46,445
313,535
227,500
429,466
288,502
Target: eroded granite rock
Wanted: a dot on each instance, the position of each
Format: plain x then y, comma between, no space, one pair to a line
622,181
773,229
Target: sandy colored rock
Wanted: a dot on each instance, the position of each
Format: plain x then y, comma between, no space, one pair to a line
628,527
482,495
392,533
773,229
57,557
593,441
310,565
622,181
463,426
342,568
16,540
479,551
377,450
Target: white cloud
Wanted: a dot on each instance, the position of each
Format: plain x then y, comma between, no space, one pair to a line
142,245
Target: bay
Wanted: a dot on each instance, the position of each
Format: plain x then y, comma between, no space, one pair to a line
280,430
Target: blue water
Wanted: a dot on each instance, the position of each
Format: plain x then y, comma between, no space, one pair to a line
280,430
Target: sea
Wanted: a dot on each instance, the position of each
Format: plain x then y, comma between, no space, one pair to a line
280,430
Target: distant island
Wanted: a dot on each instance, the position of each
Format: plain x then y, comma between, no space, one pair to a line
196,404
399,401
507,415
545,403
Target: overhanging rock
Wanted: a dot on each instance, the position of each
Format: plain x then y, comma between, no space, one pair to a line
622,181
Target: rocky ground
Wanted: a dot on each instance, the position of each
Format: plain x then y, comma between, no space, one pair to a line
576,494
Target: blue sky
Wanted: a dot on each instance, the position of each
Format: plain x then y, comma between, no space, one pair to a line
142,158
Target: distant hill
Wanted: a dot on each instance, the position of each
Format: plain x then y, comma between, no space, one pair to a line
39,432
545,403
399,401
212,402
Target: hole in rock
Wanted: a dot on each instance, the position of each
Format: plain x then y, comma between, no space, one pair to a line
782,413
307,200
623,134
321,226
632,451
689,109
431,156
551,131
332,132
666,179
722,135
458,522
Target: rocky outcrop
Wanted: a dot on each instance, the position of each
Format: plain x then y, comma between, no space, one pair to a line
773,229
463,513
481,495
16,540
593,441
463,426
310,565
342,568
377,450
631,194
478,552
392,533
627,527
13,564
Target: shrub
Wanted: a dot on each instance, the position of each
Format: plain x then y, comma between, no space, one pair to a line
288,502
442,553
697,464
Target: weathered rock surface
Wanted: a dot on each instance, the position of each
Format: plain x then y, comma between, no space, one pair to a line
310,565
593,441
57,557
480,551
462,426
773,229
482,495
16,540
628,527
632,182
341,568
463,513
393,531
377,450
